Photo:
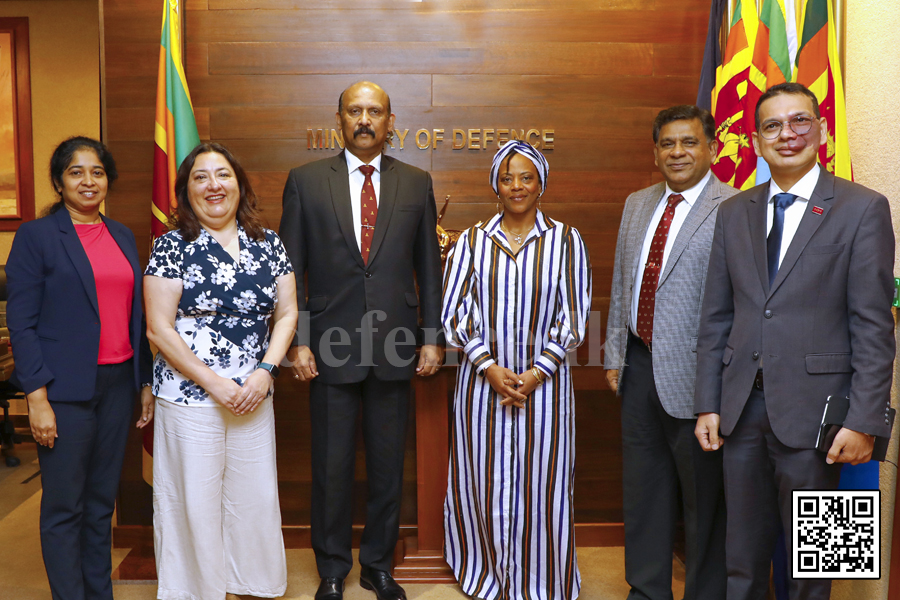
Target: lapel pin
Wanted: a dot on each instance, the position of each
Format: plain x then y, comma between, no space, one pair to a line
817,210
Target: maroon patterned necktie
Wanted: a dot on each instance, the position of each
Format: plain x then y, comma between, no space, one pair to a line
647,299
369,212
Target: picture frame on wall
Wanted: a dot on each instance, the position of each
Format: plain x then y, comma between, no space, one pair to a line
16,151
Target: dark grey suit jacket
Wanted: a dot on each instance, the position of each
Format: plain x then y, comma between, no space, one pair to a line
824,328
318,232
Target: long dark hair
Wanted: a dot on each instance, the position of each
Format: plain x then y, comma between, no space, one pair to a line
185,220
62,158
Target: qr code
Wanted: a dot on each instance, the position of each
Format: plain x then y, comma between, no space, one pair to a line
837,534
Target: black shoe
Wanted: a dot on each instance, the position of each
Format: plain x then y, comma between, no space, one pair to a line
382,583
331,588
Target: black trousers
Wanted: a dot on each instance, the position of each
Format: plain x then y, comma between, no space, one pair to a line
333,412
662,458
80,478
760,473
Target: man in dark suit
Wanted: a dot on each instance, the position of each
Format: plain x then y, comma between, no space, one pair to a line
660,270
361,227
797,308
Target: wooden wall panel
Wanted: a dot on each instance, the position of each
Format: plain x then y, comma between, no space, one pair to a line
300,90
591,94
392,6
557,24
681,60
291,121
263,72
495,58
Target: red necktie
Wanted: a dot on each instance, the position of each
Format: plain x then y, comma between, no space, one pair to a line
647,299
369,211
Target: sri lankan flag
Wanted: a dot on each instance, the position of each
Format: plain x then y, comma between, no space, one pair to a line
734,100
771,55
818,68
175,136
176,129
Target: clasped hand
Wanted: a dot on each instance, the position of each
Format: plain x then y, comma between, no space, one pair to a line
241,399
512,388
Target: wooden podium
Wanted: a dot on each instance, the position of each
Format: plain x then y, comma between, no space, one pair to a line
420,558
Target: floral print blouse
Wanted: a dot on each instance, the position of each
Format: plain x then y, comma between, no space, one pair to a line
225,306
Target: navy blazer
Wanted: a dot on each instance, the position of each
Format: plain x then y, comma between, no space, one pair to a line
52,311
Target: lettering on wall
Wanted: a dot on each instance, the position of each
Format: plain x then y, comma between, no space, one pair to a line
455,139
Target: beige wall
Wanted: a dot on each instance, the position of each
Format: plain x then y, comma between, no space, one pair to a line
65,81
873,105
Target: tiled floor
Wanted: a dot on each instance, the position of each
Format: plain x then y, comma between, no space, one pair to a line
22,574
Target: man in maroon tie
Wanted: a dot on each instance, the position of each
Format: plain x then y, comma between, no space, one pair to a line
650,353
361,227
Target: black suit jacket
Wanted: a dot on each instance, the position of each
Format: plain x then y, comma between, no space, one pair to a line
825,326
52,311
318,232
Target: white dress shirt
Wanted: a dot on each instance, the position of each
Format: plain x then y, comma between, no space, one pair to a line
357,179
803,189
681,212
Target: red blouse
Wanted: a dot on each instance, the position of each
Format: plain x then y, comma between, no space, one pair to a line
114,279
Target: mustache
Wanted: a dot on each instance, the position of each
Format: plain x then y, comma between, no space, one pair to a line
363,129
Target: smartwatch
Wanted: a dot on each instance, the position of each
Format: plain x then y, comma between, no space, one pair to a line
272,369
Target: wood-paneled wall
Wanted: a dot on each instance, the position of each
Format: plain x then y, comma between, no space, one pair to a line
261,72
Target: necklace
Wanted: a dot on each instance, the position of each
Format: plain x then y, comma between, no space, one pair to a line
516,236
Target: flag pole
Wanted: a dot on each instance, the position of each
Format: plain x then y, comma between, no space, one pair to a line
175,135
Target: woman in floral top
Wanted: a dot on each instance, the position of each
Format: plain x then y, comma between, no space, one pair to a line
212,289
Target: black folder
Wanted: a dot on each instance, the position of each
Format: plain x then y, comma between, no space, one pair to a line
836,408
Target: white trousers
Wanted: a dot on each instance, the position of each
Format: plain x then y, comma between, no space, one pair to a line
216,517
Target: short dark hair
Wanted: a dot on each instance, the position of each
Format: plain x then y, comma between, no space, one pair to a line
64,154
185,220
786,88
341,97
685,112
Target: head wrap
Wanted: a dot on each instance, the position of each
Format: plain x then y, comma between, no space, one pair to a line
526,150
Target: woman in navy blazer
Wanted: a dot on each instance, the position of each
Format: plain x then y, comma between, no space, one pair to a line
76,338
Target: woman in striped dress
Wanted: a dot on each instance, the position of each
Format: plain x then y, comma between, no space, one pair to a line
517,294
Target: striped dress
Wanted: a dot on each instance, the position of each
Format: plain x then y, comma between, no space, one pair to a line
508,516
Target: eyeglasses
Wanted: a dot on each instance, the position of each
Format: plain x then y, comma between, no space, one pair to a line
800,125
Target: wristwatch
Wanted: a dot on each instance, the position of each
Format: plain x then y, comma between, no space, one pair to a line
272,369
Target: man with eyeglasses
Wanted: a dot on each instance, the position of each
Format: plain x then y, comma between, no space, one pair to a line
797,308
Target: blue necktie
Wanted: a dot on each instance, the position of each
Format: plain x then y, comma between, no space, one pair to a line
773,243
